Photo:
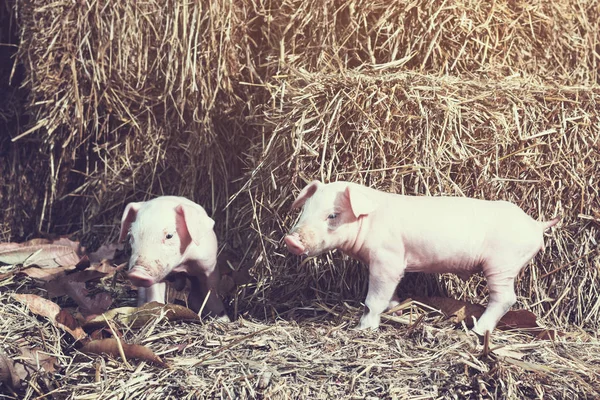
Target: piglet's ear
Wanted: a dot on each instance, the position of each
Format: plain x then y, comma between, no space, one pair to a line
129,215
195,220
361,201
306,193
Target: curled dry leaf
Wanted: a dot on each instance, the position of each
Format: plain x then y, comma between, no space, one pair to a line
46,308
139,316
55,277
66,321
88,305
134,351
459,311
527,321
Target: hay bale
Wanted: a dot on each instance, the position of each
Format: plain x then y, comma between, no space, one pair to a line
537,146
16,170
556,40
127,101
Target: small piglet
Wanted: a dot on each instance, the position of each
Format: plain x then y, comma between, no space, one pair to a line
172,234
393,234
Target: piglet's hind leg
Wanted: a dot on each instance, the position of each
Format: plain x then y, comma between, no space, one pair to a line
502,297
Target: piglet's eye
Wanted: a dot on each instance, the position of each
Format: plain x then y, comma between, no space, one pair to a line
169,235
332,216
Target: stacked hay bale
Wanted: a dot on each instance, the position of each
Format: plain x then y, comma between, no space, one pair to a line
495,101
127,101
238,104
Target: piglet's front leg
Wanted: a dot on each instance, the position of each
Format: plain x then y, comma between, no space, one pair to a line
381,294
156,292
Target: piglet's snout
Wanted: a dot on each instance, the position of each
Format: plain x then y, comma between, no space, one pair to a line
294,245
139,277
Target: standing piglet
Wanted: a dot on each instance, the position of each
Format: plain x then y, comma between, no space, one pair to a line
172,234
393,234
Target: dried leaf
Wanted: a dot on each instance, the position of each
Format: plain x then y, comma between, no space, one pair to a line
105,252
45,274
8,375
139,316
518,319
46,308
37,359
134,351
38,305
89,305
42,255
74,285
59,286
65,320
460,311
456,310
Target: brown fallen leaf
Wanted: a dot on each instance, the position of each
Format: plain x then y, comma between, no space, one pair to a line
88,305
527,321
459,311
456,310
8,375
43,255
105,252
138,316
111,348
66,321
102,333
46,308
38,305
32,360
45,274
73,284
82,272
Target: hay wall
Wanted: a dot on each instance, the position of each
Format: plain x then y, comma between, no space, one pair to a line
238,104
409,133
127,100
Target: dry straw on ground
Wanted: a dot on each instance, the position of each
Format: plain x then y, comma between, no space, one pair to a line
317,357
238,104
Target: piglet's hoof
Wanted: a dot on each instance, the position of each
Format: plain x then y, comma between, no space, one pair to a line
363,326
223,319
